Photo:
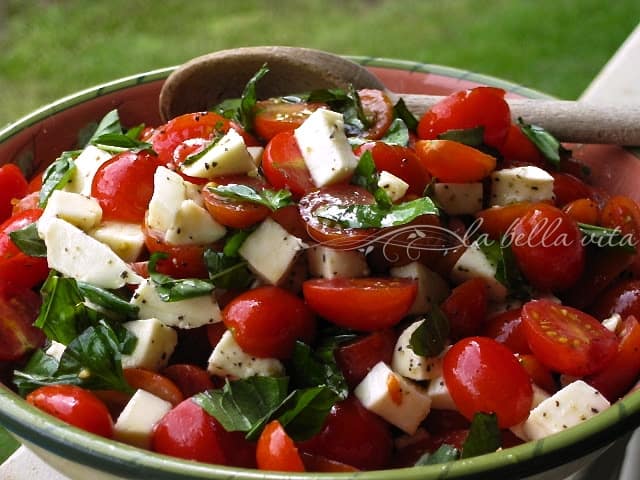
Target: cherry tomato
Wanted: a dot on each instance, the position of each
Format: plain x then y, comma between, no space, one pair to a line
567,340
506,328
454,162
30,201
276,451
399,161
466,308
290,219
190,379
154,383
622,297
378,110
216,330
234,213
123,186
478,107
567,188
540,375
548,247
352,435
284,167
500,220
583,210
483,375
518,150
18,311
364,304
74,405
357,358
318,463
623,213
189,432
13,186
267,321
277,115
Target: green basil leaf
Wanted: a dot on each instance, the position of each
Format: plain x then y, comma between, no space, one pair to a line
365,174
37,372
234,242
227,272
543,140
272,199
375,216
305,411
484,436
348,104
171,289
248,100
28,241
120,142
110,123
331,96
445,453
500,255
397,134
228,108
401,111
310,368
603,237
57,175
473,137
430,338
108,300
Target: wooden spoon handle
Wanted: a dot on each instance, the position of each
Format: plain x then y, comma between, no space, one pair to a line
569,121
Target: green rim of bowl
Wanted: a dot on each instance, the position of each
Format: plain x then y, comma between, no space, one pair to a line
77,446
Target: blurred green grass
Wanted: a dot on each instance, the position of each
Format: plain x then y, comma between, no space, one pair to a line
50,48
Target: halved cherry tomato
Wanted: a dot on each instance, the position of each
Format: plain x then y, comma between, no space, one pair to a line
190,379
540,375
74,405
548,247
277,115
364,304
235,213
567,340
18,311
518,150
466,308
352,435
267,321
478,107
154,383
284,167
13,186
378,110
500,220
583,210
276,451
189,432
483,375
506,328
123,186
454,162
623,213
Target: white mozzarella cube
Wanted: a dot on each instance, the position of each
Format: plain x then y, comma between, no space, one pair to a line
169,191
256,154
193,225
125,239
567,407
612,323
271,251
136,421
229,156
325,148
395,187
474,263
439,395
229,360
397,400
86,166
459,198
189,313
521,184
75,254
55,350
325,262
83,212
539,396
193,192
408,363
432,288
155,344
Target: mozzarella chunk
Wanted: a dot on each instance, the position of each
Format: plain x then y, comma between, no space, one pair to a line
325,148
169,191
328,262
408,363
521,184
55,350
612,323
193,225
229,360
439,394
474,263
567,407
77,255
395,187
397,400
229,156
136,421
539,396
432,288
83,212
86,166
190,313
459,198
155,344
271,251
125,239
256,154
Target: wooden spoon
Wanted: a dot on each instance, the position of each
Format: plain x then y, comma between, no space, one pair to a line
207,80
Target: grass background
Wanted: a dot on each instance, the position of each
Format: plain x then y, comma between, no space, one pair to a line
50,48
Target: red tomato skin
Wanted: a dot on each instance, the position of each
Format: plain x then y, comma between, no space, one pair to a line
483,375
284,167
352,435
74,405
480,106
13,186
234,213
364,304
578,343
190,379
622,297
466,308
547,245
276,451
506,328
189,432
454,162
18,311
540,375
518,149
267,321
378,109
567,188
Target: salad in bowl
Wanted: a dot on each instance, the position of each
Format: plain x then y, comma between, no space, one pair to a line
320,283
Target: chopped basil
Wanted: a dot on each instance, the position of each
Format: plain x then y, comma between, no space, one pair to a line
226,271
397,134
303,413
111,302
28,241
402,112
603,237
469,136
430,338
445,453
234,242
57,175
110,123
246,113
346,102
120,142
484,436
272,199
543,140
365,174
499,253
228,108
217,135
311,368
171,289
